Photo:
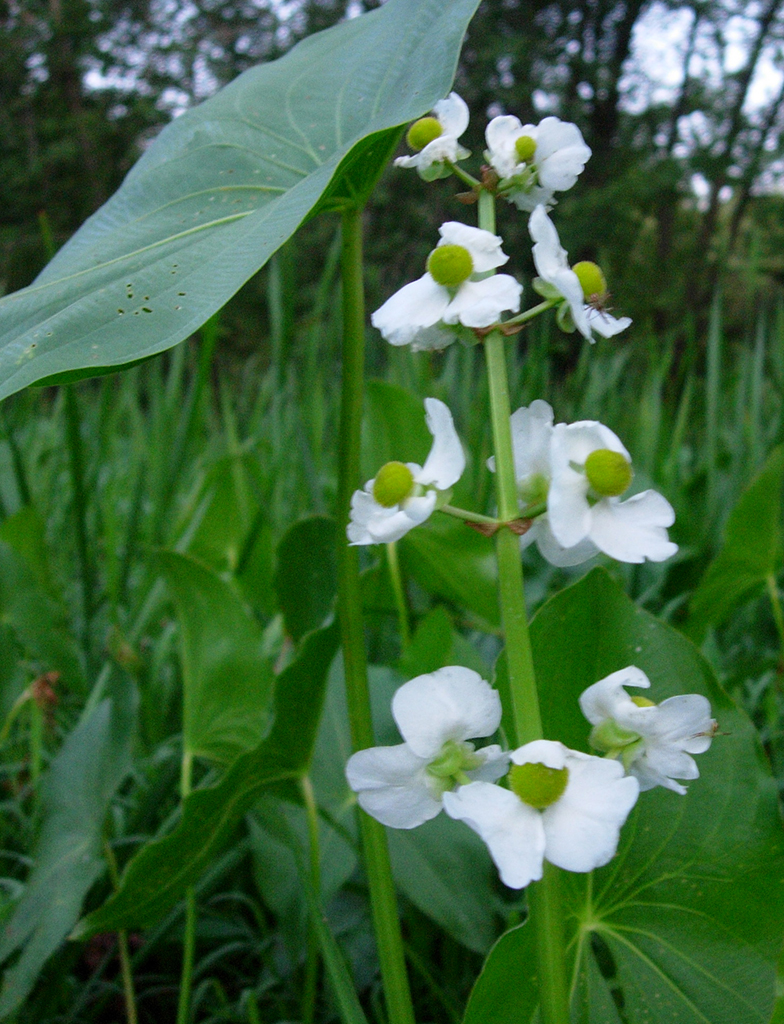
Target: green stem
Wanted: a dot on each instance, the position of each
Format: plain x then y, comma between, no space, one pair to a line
189,939
544,897
545,907
529,314
76,465
775,601
312,956
464,176
122,940
469,517
522,684
400,597
379,871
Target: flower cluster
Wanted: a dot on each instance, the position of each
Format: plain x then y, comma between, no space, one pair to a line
552,803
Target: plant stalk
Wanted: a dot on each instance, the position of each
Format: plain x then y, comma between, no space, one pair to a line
377,865
189,939
400,596
544,897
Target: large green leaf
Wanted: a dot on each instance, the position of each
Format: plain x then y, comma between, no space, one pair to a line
685,924
161,872
225,185
752,551
228,679
76,792
306,574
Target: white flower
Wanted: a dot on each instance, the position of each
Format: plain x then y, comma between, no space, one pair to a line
590,469
449,122
532,430
563,806
553,268
535,161
653,741
450,292
403,495
403,786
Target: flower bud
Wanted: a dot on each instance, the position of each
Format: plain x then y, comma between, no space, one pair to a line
423,131
393,483
525,147
450,265
537,785
609,473
591,278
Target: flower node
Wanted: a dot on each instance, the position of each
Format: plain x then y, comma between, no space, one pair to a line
393,483
450,265
537,785
525,147
591,279
423,131
609,473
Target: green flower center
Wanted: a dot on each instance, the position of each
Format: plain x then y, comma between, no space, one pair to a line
610,738
525,147
450,767
423,131
537,785
393,483
608,472
450,265
591,279
643,702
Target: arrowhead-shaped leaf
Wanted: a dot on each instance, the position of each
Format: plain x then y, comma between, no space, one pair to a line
224,186
685,923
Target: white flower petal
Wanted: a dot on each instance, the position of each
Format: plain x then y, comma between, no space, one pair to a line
582,828
531,430
555,553
481,303
604,324
501,135
453,114
483,246
549,256
608,699
452,703
429,339
568,511
512,831
561,153
633,530
495,763
445,463
372,523
550,753
419,304
391,785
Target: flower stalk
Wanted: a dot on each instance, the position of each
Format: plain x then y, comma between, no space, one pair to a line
374,844
544,897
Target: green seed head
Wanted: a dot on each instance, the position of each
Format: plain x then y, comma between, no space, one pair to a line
609,473
591,278
423,131
450,265
537,785
393,483
525,147
643,702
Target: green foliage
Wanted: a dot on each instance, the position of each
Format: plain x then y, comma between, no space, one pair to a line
227,675
224,186
160,873
752,552
685,923
306,574
75,796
